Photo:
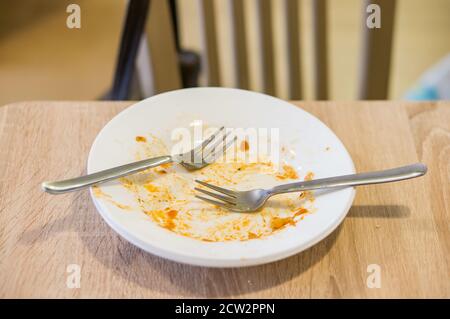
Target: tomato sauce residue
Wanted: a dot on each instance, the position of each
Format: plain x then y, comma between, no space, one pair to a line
252,235
141,139
151,188
100,194
245,146
309,176
167,165
288,173
166,194
172,213
301,212
165,218
278,222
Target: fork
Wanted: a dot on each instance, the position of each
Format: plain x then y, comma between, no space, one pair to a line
196,158
252,200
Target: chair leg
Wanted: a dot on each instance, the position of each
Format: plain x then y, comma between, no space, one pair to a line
131,37
190,68
189,60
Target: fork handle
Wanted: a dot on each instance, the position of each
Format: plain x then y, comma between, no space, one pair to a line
77,183
386,176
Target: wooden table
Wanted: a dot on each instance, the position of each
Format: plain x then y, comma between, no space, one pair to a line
402,227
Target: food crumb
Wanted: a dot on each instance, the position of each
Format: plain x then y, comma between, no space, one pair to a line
289,173
122,206
309,176
252,235
301,211
278,222
170,225
141,139
151,188
172,213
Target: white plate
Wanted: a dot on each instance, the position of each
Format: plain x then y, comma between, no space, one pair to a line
317,148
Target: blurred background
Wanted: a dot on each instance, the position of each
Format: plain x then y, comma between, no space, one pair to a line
42,59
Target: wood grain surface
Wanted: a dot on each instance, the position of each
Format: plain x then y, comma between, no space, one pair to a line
402,227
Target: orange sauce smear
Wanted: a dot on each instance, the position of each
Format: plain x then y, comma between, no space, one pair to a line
155,193
165,218
244,146
288,173
309,176
141,139
100,194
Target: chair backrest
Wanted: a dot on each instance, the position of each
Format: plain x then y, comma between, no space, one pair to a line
159,44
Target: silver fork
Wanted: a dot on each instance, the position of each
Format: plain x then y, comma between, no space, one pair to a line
197,158
252,200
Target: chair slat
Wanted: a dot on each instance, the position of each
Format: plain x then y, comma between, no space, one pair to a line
209,36
376,53
294,49
164,61
320,49
162,47
267,51
240,43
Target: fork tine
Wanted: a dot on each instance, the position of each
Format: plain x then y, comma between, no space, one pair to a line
195,154
227,199
213,147
208,140
217,188
227,206
224,148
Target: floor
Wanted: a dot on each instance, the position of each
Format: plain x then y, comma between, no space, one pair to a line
40,58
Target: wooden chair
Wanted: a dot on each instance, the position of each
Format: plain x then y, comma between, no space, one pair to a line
150,47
